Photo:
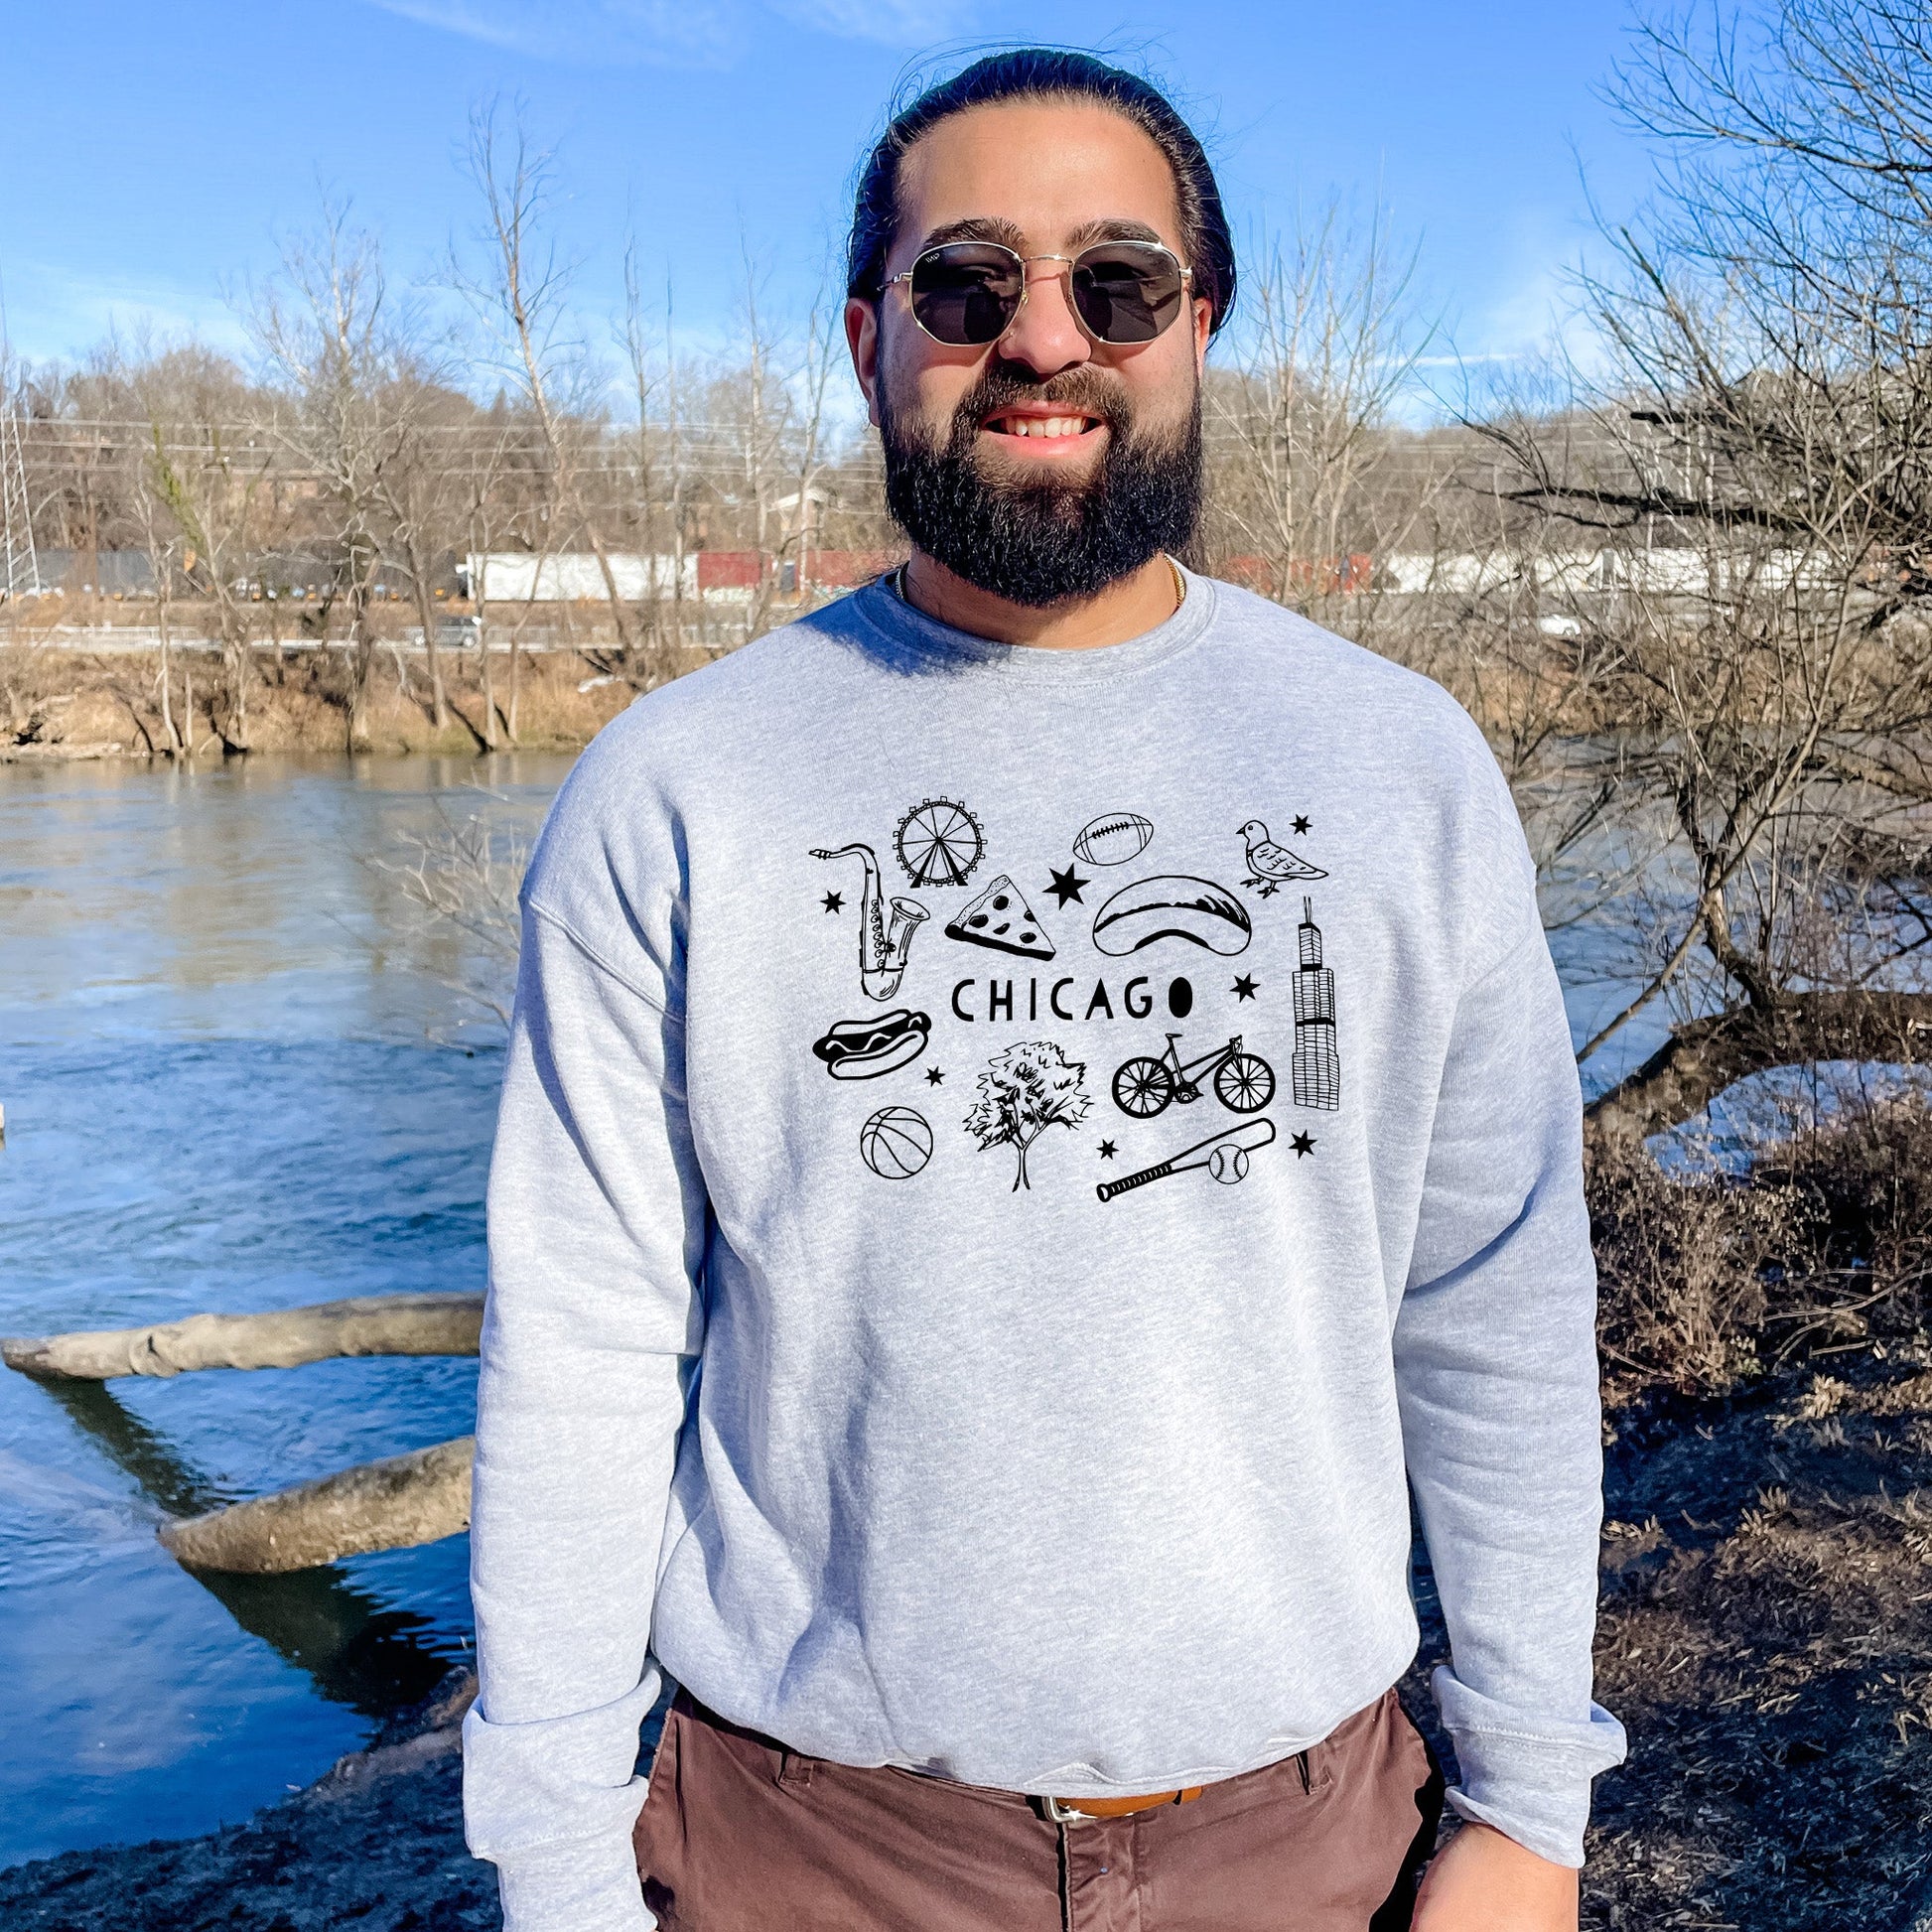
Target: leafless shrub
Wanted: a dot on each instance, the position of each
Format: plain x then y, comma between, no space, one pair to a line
1707,1280
462,876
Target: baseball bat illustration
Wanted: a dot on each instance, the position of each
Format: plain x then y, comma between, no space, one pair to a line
1251,1134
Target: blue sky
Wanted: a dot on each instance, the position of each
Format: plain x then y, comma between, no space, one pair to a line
151,154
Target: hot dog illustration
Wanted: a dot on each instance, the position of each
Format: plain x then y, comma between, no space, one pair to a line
1171,906
866,1047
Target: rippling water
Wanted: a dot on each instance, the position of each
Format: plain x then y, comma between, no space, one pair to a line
224,1062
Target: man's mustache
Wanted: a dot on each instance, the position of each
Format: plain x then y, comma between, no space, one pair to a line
1085,392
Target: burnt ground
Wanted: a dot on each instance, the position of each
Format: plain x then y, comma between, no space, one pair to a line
1766,1637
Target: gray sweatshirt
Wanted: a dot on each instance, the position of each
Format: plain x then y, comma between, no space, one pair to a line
1008,1156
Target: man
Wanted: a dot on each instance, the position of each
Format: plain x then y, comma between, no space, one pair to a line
1037,1097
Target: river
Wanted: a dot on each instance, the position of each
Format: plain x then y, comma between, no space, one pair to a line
235,1077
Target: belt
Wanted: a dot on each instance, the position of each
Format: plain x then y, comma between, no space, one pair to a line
1086,1811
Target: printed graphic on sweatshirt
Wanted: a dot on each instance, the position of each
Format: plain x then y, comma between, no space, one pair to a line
1171,906
885,946
1024,1090
940,842
874,1045
1113,838
1066,886
1001,919
1269,864
1224,1155
896,1142
1147,936
1243,1082
1318,1066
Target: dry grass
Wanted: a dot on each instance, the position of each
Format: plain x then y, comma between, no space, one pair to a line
1766,1633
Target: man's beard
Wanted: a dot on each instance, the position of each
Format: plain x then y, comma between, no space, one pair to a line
1053,541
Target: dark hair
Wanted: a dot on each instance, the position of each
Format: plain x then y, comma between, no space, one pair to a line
1046,73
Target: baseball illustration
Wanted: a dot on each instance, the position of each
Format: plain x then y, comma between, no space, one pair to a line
896,1142
1228,1163
1112,839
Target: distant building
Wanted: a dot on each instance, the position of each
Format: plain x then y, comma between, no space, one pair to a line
106,573
725,576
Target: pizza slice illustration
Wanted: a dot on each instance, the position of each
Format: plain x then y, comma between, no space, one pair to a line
1001,919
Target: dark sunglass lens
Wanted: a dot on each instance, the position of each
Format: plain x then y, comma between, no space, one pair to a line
965,292
1125,293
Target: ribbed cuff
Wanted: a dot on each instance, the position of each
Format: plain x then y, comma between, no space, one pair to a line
1530,1780
574,1886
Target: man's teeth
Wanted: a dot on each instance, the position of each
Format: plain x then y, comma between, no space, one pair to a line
1042,425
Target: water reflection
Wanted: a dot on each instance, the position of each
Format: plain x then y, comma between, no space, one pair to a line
357,1654
215,1027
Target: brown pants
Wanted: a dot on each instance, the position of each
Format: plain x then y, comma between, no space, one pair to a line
740,1834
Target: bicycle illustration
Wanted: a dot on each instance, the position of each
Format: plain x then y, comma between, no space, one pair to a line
1243,1083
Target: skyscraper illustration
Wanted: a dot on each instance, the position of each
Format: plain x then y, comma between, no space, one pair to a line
1317,1066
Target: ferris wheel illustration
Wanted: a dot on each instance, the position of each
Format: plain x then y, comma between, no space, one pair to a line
938,842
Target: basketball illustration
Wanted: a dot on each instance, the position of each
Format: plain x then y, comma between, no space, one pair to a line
1228,1163
896,1142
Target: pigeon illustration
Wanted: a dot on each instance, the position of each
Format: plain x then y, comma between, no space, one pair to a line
1269,864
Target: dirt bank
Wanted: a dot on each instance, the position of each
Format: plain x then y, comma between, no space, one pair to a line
58,704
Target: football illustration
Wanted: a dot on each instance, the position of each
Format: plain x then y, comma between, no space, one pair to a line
896,1142
1112,839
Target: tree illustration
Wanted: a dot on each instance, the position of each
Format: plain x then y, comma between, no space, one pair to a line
1024,1090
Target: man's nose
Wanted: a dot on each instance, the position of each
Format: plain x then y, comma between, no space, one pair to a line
1045,335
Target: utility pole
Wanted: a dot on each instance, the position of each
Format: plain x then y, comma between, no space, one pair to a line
20,570
19,566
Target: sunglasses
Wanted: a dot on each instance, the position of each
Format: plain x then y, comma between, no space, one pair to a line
966,293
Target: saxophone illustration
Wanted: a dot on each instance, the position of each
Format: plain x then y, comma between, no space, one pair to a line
882,949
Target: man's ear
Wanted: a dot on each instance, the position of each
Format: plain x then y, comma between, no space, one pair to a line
862,337
1203,331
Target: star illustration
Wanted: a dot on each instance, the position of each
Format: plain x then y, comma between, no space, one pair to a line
1244,987
1302,1143
1108,1150
834,901
933,1077
1300,826
1068,885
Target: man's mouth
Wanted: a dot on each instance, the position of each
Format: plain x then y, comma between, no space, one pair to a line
1032,424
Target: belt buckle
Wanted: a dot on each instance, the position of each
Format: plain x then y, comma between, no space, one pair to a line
1061,1814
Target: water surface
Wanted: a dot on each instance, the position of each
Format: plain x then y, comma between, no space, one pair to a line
235,1076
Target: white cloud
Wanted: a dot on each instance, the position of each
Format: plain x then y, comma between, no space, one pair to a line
694,32
680,33
55,314
895,23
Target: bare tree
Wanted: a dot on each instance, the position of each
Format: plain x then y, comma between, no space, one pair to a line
208,474
322,329
1309,478
1760,489
520,297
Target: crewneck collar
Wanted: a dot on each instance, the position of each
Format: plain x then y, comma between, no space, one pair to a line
903,625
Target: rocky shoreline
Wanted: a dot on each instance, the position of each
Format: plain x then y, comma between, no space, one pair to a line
376,1844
